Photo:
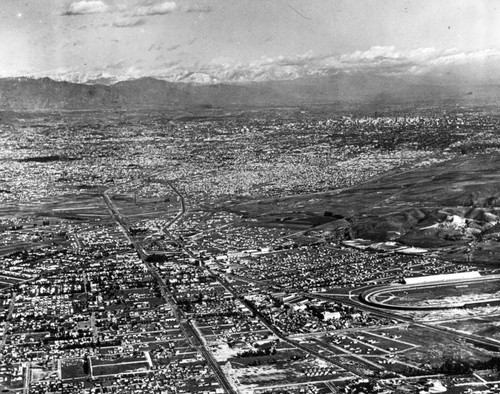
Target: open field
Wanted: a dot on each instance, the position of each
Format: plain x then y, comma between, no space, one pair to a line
484,326
416,206
72,369
115,365
119,368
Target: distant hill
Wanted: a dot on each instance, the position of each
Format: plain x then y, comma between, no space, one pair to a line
46,94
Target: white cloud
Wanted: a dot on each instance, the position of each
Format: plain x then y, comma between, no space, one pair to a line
386,57
482,64
137,9
375,52
414,60
86,7
155,9
377,59
453,56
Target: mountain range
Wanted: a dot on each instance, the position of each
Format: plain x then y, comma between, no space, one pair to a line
359,88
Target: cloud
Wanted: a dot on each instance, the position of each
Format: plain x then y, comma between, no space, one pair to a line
453,56
155,9
375,52
480,65
128,22
378,60
418,60
138,8
86,7
383,60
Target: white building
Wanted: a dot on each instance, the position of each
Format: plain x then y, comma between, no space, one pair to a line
442,278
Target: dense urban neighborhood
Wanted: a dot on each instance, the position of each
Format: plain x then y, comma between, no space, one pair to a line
274,250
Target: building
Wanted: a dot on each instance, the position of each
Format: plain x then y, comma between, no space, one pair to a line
442,278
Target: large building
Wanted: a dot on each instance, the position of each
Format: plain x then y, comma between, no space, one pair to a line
441,278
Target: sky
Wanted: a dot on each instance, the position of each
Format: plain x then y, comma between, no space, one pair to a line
247,40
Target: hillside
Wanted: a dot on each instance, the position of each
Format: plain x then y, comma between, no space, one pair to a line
46,94
451,206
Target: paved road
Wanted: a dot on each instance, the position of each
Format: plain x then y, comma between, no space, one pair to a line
197,340
181,197
188,329
7,322
94,327
78,243
186,326
281,336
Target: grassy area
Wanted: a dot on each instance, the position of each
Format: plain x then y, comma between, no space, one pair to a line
486,326
406,200
72,369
